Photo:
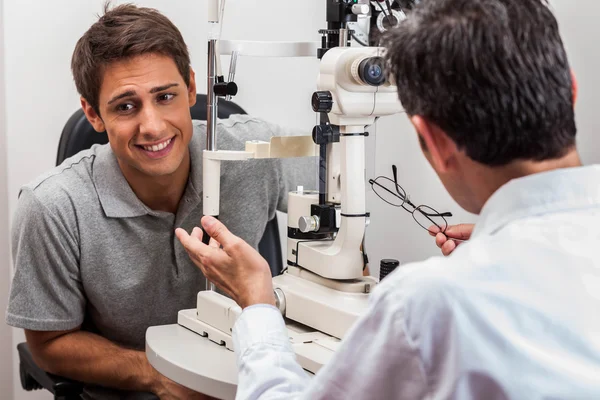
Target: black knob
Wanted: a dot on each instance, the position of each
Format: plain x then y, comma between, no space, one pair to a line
386,267
225,89
322,134
322,101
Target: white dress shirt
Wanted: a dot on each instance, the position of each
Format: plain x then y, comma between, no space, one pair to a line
514,313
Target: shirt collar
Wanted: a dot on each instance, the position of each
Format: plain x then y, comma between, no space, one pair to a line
116,196
538,194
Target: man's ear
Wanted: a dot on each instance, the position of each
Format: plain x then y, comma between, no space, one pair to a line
575,86
435,142
92,116
192,88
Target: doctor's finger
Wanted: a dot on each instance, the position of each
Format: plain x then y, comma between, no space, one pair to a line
448,247
460,231
214,243
440,240
194,246
219,232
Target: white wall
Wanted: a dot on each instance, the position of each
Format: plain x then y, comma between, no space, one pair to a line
6,384
40,36
579,26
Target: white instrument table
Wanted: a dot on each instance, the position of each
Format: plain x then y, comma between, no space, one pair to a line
192,360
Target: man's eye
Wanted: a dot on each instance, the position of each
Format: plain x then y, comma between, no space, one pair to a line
125,107
166,97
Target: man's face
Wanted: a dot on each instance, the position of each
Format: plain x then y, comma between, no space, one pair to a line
144,107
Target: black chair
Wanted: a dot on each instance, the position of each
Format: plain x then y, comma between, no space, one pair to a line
77,135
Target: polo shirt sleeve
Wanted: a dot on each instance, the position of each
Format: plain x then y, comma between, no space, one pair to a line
292,172
46,292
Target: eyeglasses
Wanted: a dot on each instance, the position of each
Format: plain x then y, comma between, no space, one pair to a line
389,191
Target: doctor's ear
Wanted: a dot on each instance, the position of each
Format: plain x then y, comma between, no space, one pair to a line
435,143
92,116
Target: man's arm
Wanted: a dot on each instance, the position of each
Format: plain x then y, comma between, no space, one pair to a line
293,172
47,299
90,358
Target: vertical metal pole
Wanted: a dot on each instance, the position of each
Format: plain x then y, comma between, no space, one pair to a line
211,98
232,67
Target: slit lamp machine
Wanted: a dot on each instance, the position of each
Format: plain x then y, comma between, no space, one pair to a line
322,291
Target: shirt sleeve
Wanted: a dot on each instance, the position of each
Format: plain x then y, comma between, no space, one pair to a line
46,292
377,359
294,172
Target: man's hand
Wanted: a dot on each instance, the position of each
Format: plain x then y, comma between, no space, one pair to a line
166,389
90,358
452,237
230,263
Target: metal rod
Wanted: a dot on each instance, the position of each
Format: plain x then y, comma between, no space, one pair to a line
232,67
211,98
211,115
343,37
322,174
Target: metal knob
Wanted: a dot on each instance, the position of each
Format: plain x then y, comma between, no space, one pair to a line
360,9
308,224
280,300
322,101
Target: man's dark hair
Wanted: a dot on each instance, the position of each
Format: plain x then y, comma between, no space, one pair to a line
123,32
493,74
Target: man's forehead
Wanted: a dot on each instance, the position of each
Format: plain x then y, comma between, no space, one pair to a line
140,72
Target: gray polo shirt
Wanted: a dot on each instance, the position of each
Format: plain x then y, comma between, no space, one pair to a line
88,252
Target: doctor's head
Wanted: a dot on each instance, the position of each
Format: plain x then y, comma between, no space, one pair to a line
132,70
488,88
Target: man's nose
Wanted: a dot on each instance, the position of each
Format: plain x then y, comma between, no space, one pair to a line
152,122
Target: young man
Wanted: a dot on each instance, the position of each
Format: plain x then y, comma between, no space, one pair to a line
513,312
96,258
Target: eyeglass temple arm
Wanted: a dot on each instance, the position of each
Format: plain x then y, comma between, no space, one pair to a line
372,182
444,214
406,200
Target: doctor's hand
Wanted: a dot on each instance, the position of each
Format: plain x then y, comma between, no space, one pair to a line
230,263
452,237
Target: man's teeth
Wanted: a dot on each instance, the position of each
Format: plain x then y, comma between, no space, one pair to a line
158,147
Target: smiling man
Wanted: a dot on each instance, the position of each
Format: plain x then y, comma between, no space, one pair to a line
94,249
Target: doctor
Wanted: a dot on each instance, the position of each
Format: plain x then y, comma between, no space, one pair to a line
513,312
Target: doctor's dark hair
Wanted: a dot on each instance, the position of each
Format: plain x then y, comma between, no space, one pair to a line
121,33
493,74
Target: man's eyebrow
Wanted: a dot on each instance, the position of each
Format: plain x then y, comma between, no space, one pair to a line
128,93
163,87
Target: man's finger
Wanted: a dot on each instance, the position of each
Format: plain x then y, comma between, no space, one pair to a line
460,231
218,231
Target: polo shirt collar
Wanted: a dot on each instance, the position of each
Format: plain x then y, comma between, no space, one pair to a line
118,199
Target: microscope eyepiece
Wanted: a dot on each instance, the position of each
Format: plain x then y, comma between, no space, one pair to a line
371,71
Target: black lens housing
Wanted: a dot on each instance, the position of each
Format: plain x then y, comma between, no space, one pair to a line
371,71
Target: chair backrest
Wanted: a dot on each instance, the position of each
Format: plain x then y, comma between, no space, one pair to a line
78,134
